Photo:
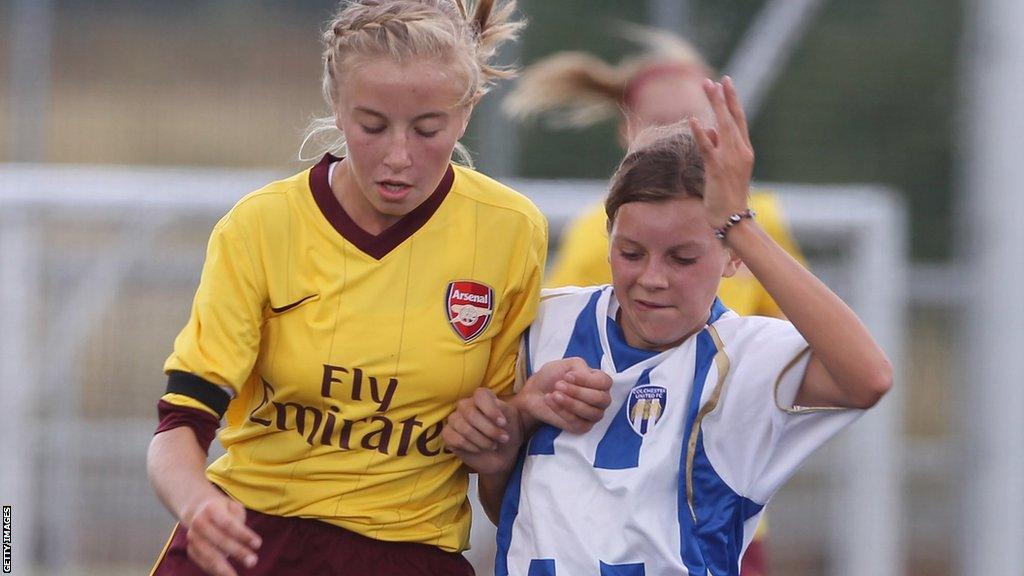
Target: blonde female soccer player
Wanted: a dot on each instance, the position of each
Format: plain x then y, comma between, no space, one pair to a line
710,411
342,312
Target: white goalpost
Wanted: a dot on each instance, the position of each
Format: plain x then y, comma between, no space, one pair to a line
98,266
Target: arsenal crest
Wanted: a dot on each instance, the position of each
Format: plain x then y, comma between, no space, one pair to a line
469,305
645,407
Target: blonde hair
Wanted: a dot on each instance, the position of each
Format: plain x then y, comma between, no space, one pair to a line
464,33
577,89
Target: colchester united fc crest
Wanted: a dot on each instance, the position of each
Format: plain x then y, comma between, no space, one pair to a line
469,305
645,407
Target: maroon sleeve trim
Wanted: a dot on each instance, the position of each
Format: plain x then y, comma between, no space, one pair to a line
203,424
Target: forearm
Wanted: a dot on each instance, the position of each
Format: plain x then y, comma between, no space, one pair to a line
838,339
491,488
176,465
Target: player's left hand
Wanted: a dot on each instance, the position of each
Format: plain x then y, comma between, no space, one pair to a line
566,394
727,152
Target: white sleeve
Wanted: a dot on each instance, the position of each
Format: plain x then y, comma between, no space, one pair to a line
797,431
767,437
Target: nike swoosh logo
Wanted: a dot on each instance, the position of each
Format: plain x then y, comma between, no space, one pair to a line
288,307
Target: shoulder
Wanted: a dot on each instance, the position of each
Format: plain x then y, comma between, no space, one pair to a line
757,335
758,353
568,296
261,208
593,219
559,307
490,193
557,317
585,239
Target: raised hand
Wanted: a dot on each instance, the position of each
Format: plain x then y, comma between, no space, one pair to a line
217,532
566,394
484,432
727,152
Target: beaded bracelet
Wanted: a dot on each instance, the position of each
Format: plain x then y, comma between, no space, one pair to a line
732,221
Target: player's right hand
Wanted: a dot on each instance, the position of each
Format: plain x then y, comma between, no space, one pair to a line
217,532
484,432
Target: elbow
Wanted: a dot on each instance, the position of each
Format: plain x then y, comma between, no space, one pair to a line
876,385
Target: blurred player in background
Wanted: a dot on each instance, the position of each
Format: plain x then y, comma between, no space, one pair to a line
659,87
711,412
342,312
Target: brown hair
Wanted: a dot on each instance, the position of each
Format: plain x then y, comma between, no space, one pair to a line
464,33
663,163
577,89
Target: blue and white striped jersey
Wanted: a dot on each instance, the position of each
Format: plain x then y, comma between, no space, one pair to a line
675,476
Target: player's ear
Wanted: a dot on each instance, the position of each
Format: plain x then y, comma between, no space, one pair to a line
732,264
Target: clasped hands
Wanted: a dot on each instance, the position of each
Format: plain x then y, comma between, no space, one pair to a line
486,431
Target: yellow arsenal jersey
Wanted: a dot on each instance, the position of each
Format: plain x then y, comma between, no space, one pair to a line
583,257
345,352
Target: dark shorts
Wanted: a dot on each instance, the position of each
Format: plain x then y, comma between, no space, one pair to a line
302,547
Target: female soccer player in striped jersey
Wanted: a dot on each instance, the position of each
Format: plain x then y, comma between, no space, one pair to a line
659,87
711,411
342,312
